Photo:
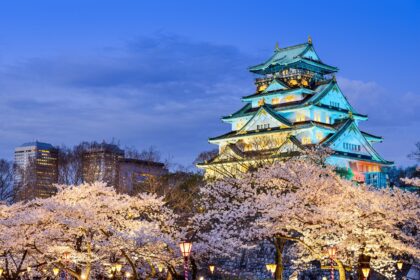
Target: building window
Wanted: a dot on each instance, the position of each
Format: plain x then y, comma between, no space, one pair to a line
327,119
300,117
319,136
352,147
263,126
306,140
335,104
289,98
275,101
317,117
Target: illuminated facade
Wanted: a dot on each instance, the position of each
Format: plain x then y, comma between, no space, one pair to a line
297,104
36,170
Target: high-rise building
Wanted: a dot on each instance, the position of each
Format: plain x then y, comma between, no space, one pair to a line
100,163
297,104
105,162
36,170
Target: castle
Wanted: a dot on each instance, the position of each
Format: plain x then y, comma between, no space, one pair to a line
297,104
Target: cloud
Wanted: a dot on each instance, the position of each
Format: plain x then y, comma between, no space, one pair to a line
393,115
161,90
386,108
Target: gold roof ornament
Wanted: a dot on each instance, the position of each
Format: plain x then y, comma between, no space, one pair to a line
309,39
350,115
277,48
334,78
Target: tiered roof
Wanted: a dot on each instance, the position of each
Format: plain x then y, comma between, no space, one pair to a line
312,99
302,56
299,56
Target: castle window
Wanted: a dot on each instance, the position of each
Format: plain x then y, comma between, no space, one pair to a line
300,117
317,117
319,136
327,119
275,100
263,126
352,147
306,140
289,98
335,104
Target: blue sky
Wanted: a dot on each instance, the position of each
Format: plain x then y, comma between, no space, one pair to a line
162,73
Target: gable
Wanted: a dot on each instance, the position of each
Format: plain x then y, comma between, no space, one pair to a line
263,120
311,54
352,141
289,146
228,152
335,98
274,86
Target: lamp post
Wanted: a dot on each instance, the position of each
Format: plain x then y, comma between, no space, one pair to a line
186,251
331,253
211,268
1,272
271,267
56,270
365,272
400,264
160,267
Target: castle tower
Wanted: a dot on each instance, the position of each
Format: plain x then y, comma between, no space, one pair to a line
297,104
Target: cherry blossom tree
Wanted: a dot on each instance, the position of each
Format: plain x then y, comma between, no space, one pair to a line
415,182
85,230
299,201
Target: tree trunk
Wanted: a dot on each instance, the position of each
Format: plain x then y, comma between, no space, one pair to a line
132,265
341,270
279,244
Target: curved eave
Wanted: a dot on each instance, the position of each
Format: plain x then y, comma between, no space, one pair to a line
296,126
293,90
362,158
309,64
372,138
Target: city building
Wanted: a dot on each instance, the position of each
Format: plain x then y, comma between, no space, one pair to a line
36,170
100,163
297,104
106,163
133,172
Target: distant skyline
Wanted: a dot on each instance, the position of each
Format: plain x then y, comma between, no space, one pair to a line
163,73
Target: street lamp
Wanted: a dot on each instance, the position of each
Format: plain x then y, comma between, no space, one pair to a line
186,251
271,267
1,271
66,256
212,267
118,267
127,275
400,264
160,267
365,272
56,270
